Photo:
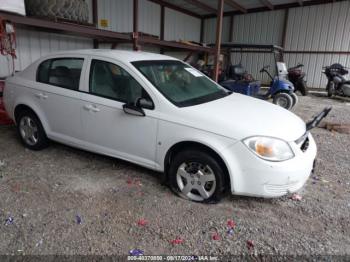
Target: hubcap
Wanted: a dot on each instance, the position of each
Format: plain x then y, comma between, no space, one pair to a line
282,102
28,130
196,181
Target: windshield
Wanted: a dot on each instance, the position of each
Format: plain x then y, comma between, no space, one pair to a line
179,83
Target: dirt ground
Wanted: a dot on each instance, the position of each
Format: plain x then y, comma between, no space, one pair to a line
45,191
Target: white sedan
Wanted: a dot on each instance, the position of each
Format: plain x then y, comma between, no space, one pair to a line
159,112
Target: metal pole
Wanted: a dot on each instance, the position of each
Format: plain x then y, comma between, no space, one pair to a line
162,21
135,34
218,39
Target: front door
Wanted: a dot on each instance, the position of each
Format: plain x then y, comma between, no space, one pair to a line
108,129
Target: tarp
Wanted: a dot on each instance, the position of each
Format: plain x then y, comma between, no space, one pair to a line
13,6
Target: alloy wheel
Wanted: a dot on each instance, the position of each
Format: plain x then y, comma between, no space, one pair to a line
29,130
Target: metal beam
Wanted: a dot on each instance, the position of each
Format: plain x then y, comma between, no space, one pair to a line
235,5
277,7
176,8
285,24
218,39
201,5
267,3
135,33
63,27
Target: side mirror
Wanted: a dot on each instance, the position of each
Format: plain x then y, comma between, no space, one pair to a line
144,103
131,109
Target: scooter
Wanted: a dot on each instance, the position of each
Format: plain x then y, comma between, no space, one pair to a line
296,76
337,83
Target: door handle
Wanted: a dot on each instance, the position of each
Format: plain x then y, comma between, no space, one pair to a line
41,96
95,109
91,108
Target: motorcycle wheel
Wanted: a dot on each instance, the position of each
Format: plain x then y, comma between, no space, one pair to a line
284,100
295,99
303,88
330,89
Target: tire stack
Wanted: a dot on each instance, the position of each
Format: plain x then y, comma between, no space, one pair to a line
73,10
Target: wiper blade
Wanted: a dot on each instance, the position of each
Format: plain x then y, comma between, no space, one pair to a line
317,119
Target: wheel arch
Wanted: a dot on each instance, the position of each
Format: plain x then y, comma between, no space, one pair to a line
180,146
22,107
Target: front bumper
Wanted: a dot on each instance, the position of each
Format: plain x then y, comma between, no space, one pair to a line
253,176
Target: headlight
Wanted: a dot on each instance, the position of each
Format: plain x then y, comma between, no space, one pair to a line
268,148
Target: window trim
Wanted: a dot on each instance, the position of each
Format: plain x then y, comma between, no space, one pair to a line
60,58
111,98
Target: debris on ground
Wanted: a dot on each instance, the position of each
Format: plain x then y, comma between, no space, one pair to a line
336,127
2,163
250,244
40,242
230,231
9,221
296,197
78,219
142,222
177,241
136,252
216,236
231,223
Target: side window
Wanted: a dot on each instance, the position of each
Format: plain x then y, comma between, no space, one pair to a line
111,81
62,72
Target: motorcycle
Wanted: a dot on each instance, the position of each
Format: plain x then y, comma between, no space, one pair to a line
337,83
296,76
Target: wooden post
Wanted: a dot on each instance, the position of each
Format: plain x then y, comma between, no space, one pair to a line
218,39
135,34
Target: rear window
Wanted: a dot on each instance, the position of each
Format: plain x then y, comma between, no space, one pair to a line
62,72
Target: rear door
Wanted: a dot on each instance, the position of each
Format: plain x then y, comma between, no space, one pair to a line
57,90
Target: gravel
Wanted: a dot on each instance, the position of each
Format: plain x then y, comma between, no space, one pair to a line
47,193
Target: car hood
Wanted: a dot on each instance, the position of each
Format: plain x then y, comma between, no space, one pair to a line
238,116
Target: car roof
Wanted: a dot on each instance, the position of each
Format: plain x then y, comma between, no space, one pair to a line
120,55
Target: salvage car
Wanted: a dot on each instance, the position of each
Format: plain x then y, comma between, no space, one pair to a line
160,113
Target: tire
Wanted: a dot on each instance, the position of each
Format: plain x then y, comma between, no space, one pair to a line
199,173
295,99
284,100
330,89
302,87
74,10
31,131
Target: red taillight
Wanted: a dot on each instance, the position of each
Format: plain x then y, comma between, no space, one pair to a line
4,119
2,87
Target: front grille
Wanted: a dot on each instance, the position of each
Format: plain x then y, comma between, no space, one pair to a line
303,142
305,145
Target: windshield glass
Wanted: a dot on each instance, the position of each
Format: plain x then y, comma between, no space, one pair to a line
179,83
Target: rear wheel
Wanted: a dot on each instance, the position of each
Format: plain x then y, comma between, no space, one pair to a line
295,99
31,131
301,86
283,100
197,176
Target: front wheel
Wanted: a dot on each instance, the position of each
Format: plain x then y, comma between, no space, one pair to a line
197,176
330,89
284,100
